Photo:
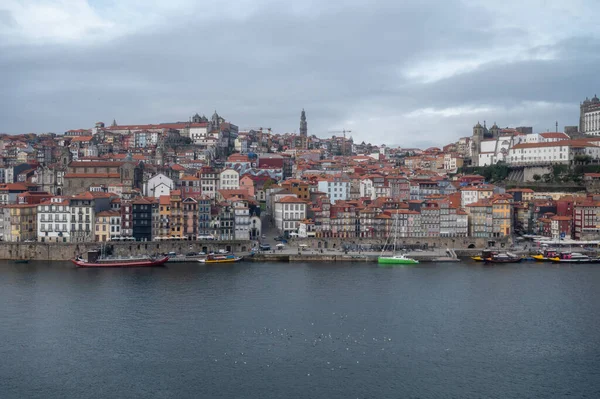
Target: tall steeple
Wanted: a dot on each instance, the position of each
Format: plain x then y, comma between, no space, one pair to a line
303,125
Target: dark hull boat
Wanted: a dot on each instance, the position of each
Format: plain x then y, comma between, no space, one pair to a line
504,258
95,259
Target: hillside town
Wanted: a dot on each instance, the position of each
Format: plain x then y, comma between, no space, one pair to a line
207,179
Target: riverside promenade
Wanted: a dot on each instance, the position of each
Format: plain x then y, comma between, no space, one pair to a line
298,253
311,249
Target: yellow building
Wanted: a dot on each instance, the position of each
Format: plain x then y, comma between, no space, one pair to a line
164,211
22,223
526,194
176,218
502,215
485,191
106,225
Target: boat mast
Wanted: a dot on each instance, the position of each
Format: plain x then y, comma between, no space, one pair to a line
395,232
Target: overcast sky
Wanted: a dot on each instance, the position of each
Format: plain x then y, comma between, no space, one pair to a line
410,73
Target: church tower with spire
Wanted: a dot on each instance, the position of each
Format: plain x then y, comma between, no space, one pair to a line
303,125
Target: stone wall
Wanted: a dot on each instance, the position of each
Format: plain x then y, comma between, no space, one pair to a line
58,251
412,242
530,171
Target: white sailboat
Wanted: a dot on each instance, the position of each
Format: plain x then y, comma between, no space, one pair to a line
395,258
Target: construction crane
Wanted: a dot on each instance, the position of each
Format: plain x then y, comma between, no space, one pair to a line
343,131
256,129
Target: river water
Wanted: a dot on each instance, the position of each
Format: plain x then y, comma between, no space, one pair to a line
300,331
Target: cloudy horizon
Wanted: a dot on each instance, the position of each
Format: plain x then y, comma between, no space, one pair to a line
410,73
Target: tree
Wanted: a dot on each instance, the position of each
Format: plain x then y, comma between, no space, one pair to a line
537,177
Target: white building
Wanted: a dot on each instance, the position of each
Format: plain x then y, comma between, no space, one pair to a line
337,188
83,217
366,188
229,179
589,117
472,194
552,152
307,229
158,185
547,137
198,133
209,182
290,211
54,220
241,222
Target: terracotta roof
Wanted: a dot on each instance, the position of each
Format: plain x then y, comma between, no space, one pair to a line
91,195
93,164
190,178
291,200
81,138
13,186
91,175
108,213
555,135
141,201
562,143
177,125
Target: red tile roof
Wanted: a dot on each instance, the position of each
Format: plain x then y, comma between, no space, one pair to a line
91,175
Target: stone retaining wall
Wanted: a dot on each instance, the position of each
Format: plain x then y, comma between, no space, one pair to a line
58,251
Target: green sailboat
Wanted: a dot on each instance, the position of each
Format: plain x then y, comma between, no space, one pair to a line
395,259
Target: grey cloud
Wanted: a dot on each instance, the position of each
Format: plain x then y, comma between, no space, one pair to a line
339,64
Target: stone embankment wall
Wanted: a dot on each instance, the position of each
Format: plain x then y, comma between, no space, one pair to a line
57,251
54,251
418,242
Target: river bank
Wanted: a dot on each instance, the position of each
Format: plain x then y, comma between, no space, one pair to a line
66,251
302,330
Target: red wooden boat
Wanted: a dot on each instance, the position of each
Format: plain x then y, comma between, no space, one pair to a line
143,261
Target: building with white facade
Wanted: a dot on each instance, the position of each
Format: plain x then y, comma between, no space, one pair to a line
241,222
337,188
158,185
229,179
290,211
366,188
198,133
54,220
82,218
589,116
472,194
209,181
551,152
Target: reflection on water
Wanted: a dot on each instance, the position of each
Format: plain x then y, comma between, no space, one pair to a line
299,330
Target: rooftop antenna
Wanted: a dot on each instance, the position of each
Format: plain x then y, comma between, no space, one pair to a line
556,126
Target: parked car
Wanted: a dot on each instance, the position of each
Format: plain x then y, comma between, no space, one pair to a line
191,254
172,254
263,236
279,238
265,247
223,251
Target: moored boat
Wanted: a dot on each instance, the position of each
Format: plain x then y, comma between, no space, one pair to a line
21,260
484,255
574,257
547,256
134,261
220,259
396,260
505,257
